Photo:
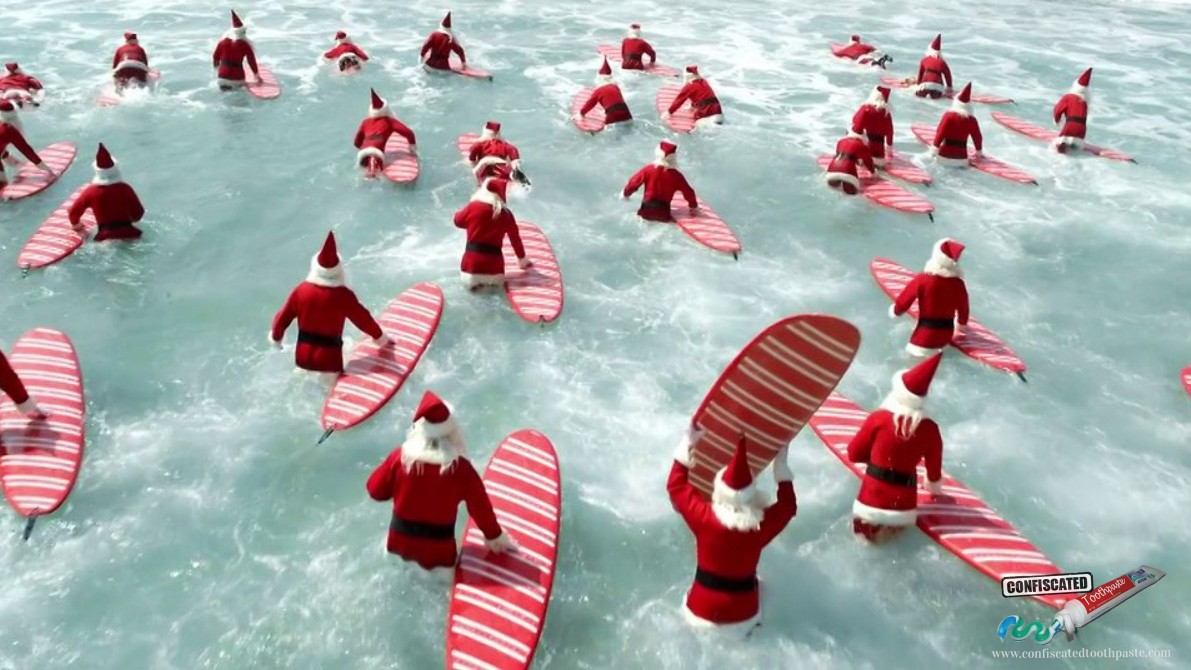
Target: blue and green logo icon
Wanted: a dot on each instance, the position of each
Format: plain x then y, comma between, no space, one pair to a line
1017,629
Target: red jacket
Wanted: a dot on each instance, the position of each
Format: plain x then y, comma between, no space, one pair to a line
724,552
21,82
856,49
608,96
229,59
660,186
951,137
851,152
877,443
933,69
494,147
429,498
485,238
876,124
116,208
1075,108
632,52
10,383
345,48
941,300
132,52
321,312
375,132
703,100
9,135
440,46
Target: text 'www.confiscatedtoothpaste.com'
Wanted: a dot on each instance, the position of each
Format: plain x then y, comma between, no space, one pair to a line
1046,652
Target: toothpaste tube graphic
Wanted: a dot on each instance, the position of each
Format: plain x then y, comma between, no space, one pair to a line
1078,612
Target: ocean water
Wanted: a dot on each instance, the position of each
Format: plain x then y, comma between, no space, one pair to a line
208,531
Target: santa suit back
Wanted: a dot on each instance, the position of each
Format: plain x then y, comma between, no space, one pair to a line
440,45
608,96
427,478
1072,108
322,304
229,57
728,547
850,153
951,137
934,76
632,53
661,182
942,298
490,154
10,135
857,49
704,104
10,382
345,49
374,133
487,222
116,208
876,124
19,82
130,62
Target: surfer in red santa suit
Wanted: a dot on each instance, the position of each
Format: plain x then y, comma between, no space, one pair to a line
12,133
488,221
850,153
438,47
347,56
633,50
492,157
957,125
704,105
608,96
1072,111
230,54
942,299
374,133
730,532
934,75
875,122
113,202
661,180
893,440
322,304
20,87
130,63
426,478
11,386
864,54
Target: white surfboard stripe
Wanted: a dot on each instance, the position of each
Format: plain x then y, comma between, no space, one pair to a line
24,441
957,510
34,501
470,662
728,449
531,452
514,496
519,473
475,538
1015,561
992,551
503,577
797,362
495,610
771,381
491,638
38,460
736,426
821,341
36,482
528,528
759,407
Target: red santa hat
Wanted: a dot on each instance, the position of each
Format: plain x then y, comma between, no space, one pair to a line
446,22
855,38
13,68
340,36
433,416
666,154
378,107
879,96
238,30
936,45
491,130
1081,85
606,69
634,30
129,36
944,258
734,483
963,101
106,171
911,386
325,267
692,72
8,113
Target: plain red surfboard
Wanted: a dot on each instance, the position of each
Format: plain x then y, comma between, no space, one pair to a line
980,98
986,164
613,54
704,226
40,458
535,293
682,120
593,122
977,341
770,390
55,239
499,601
109,97
401,166
30,180
958,520
470,72
373,374
1046,135
888,194
267,87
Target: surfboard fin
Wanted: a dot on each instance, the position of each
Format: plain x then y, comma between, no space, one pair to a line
1022,377
931,216
24,271
326,434
735,257
28,528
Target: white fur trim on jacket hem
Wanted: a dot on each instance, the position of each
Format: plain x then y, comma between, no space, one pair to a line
473,280
844,177
27,407
880,161
713,120
369,151
953,162
231,82
931,86
884,517
921,352
131,64
106,177
1069,142
739,627
320,276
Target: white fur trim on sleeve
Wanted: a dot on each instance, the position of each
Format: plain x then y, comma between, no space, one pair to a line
884,517
369,152
893,312
935,487
27,407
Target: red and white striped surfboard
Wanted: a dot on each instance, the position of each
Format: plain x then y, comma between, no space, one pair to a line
464,145
373,374
958,520
267,87
683,119
704,226
1047,135
888,194
401,166
770,390
979,98
30,180
457,67
536,293
1186,375
613,54
593,122
977,341
40,458
900,167
987,164
499,601
110,97
55,238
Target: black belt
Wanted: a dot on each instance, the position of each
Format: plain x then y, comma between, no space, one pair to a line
891,477
618,107
655,204
938,324
705,102
955,143
232,63
115,226
1077,119
933,71
718,583
375,136
844,154
633,58
429,531
490,249
874,137
319,340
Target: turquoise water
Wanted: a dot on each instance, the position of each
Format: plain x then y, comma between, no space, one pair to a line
207,530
